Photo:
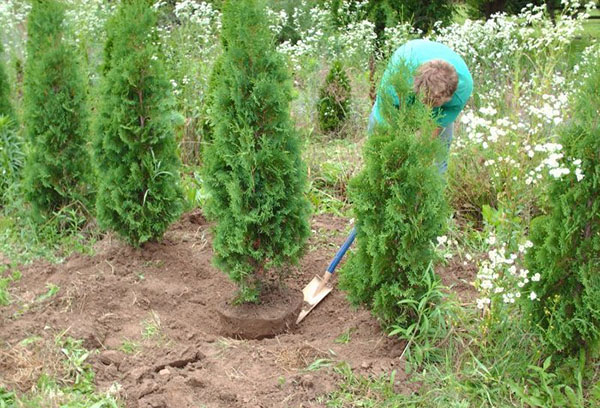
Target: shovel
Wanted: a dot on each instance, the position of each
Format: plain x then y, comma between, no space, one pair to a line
317,289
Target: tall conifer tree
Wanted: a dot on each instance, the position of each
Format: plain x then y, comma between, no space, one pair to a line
56,116
564,303
253,168
139,193
400,209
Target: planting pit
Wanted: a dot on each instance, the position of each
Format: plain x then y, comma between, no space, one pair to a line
276,314
149,318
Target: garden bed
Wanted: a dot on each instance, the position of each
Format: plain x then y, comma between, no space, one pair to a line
151,315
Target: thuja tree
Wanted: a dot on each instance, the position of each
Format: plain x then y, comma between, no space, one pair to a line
334,101
253,169
56,117
139,193
5,104
399,206
564,304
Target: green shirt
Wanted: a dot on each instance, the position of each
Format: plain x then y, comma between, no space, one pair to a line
416,53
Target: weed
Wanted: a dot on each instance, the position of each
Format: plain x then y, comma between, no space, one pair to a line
319,364
52,290
4,295
151,327
344,338
433,315
130,347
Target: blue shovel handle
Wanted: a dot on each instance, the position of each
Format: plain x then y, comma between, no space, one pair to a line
342,251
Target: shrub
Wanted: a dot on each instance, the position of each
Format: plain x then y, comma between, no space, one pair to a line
139,193
399,206
566,252
56,117
5,105
253,169
334,101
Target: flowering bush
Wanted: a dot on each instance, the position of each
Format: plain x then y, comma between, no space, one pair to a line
523,86
566,250
190,38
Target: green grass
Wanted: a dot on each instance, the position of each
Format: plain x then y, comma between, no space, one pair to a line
70,384
591,27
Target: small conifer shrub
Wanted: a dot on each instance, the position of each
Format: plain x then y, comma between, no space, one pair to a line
139,192
334,101
253,168
400,209
6,108
55,115
563,302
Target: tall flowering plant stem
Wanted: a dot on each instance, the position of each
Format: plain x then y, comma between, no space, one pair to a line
56,116
139,193
564,305
253,168
400,209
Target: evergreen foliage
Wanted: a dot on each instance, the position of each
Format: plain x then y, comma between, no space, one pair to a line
6,108
139,193
334,101
400,209
56,117
253,168
566,251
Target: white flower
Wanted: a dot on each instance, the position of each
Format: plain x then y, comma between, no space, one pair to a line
487,284
442,240
482,302
532,296
536,277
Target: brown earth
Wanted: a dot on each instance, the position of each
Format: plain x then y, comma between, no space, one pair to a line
151,314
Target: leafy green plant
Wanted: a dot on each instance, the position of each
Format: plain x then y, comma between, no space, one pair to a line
12,159
51,292
4,295
57,168
6,108
345,337
432,325
139,193
253,170
400,209
334,101
564,303
544,388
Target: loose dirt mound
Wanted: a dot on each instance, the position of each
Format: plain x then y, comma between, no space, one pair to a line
150,313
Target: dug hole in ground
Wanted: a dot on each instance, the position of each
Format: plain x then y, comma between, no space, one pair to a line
151,315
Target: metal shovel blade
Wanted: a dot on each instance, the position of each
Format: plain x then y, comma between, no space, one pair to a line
312,297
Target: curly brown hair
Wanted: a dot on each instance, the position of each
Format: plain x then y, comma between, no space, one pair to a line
436,81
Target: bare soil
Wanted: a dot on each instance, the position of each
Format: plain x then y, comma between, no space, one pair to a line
151,315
